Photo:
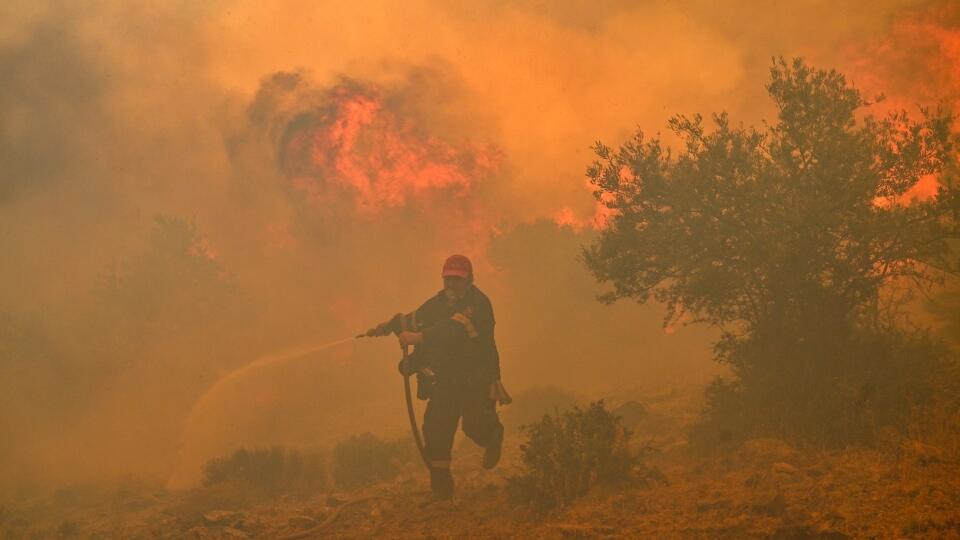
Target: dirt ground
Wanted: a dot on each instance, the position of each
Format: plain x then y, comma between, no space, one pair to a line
763,489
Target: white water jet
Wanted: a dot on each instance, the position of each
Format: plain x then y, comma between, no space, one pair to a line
188,467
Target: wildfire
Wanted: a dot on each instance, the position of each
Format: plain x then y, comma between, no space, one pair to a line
916,63
354,143
566,217
602,213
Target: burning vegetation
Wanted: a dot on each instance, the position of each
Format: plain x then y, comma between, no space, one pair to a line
353,141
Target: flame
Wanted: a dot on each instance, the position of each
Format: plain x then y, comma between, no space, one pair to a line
567,218
359,146
602,213
916,63
925,189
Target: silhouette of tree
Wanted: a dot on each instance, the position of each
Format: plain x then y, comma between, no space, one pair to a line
790,240
173,294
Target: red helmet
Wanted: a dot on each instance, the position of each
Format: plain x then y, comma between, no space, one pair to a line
457,265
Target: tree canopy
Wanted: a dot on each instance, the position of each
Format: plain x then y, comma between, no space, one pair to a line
745,225
781,234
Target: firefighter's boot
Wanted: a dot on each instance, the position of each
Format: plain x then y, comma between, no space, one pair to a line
441,483
491,455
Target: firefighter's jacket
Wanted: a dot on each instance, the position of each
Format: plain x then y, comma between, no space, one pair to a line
458,344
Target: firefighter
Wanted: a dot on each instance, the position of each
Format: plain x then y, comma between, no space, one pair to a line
458,370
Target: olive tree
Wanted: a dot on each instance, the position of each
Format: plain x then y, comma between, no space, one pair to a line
792,240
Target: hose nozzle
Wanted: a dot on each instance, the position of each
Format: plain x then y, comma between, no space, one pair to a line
384,329
373,332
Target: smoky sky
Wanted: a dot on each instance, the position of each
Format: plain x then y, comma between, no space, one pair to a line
51,95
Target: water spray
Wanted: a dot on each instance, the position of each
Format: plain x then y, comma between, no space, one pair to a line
395,326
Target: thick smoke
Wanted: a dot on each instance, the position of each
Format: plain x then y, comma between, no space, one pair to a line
184,190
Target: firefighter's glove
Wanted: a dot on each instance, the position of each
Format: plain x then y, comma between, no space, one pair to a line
499,394
385,328
410,338
382,329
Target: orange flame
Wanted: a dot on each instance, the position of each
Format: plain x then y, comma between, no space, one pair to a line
916,63
360,146
602,213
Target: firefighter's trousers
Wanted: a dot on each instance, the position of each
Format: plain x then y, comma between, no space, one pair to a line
448,403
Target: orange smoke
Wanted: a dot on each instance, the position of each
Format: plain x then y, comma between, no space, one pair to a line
917,62
356,145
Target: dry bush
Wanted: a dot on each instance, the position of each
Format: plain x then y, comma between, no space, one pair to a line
366,459
938,423
566,454
274,469
13,524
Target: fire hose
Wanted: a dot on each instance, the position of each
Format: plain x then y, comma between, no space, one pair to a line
414,427
408,395
398,325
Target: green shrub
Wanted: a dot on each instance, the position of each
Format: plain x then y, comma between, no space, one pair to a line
566,454
366,459
273,469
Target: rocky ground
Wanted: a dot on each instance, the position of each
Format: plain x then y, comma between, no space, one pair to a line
763,489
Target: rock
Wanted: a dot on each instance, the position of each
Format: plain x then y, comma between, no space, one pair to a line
334,501
302,522
220,517
767,451
785,469
230,532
